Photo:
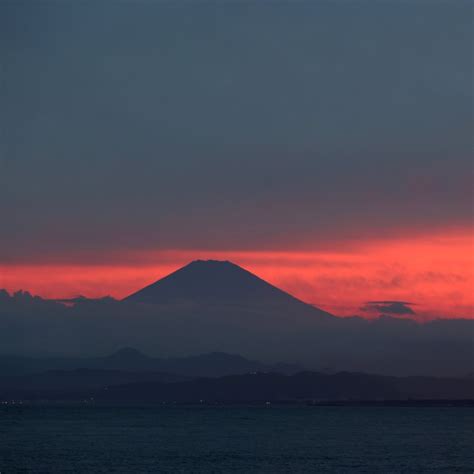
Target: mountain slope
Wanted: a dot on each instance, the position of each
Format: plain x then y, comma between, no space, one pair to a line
214,282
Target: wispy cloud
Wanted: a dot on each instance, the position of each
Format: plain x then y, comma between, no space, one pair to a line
389,307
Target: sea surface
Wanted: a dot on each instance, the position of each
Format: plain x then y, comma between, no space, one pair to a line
228,439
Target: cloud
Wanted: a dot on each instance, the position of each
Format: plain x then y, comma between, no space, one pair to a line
388,307
94,327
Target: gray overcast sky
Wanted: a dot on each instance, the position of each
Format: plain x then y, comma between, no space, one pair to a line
238,125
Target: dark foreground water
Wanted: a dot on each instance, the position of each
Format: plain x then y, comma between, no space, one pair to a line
236,439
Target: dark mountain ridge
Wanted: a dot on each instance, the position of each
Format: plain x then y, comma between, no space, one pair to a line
127,359
258,387
81,379
301,386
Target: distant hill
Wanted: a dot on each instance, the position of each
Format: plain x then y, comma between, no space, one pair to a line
301,386
258,387
129,360
81,379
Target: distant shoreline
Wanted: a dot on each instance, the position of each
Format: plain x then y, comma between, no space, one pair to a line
255,404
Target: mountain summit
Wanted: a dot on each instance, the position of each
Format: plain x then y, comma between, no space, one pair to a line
214,282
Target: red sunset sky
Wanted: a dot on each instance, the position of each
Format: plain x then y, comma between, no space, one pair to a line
435,274
326,149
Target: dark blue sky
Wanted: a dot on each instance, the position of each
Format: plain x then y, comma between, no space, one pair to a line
231,125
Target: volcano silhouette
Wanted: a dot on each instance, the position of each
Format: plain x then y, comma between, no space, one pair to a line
216,282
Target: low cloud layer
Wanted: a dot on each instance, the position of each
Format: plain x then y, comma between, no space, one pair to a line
34,326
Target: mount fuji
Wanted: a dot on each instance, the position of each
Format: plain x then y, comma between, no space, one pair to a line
220,283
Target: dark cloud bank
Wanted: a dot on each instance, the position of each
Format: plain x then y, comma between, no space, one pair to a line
34,326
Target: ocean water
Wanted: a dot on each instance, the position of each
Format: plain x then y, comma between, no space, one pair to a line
91,439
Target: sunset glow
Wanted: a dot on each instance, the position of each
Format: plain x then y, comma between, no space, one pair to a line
434,273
